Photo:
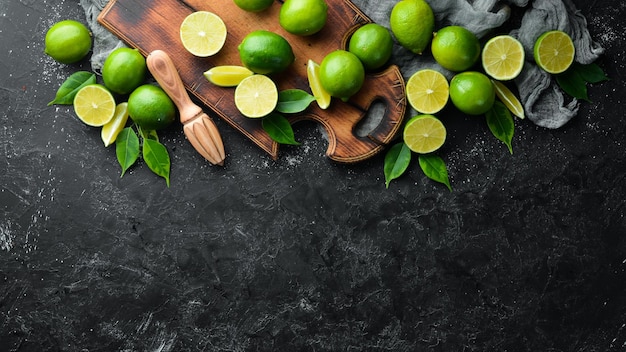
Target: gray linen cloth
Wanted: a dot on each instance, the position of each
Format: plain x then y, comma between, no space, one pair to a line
544,102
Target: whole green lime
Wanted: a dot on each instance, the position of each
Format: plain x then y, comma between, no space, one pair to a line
372,44
265,52
151,108
124,70
412,23
455,48
472,92
303,17
68,41
342,74
254,5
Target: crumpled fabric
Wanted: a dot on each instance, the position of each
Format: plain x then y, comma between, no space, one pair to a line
104,42
544,102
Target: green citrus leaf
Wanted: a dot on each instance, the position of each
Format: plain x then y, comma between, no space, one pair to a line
574,80
435,169
573,84
68,89
279,129
501,124
292,101
591,73
157,158
397,161
127,148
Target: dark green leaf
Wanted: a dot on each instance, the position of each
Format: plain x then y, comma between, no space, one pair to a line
397,161
157,158
573,84
591,73
66,92
279,129
435,169
292,101
127,148
501,124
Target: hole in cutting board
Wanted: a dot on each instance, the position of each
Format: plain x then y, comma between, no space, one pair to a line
372,118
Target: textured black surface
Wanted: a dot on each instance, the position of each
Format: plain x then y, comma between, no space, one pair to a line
302,254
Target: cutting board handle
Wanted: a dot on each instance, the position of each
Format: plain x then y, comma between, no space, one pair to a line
164,71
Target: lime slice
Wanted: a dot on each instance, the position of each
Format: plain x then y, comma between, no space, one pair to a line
110,130
554,51
256,96
424,134
509,99
427,91
94,105
503,57
203,33
321,95
227,75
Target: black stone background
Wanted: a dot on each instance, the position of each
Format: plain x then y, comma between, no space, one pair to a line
527,253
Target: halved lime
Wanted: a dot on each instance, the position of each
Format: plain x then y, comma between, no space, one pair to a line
554,51
427,91
256,96
424,134
503,57
94,105
203,33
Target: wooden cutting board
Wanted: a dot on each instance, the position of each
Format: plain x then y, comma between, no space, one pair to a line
150,25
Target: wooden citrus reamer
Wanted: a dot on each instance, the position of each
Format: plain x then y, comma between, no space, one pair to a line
198,126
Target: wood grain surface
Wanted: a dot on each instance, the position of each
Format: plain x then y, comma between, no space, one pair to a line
152,25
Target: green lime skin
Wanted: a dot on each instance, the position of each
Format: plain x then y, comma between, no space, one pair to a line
342,74
124,70
372,44
455,48
265,52
254,5
472,92
68,41
303,17
412,23
151,108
